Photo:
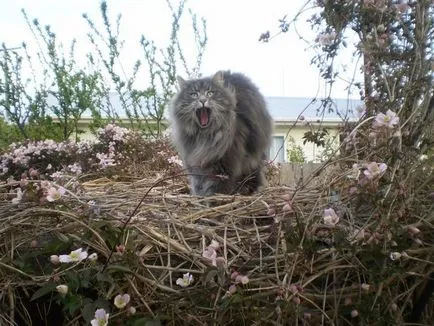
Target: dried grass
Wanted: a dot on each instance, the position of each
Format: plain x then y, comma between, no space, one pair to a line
300,270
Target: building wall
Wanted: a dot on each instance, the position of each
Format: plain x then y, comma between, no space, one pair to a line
312,152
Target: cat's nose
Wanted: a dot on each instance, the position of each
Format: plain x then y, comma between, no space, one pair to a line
203,101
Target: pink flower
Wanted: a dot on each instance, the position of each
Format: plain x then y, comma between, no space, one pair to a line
214,244
175,160
243,279
24,182
374,170
353,190
210,254
330,217
33,173
238,278
54,194
389,120
120,248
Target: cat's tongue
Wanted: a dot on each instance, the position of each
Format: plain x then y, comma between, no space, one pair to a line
203,117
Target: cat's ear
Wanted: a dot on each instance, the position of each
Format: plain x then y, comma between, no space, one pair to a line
219,78
181,82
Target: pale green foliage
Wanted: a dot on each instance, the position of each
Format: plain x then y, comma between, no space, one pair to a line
50,104
294,152
144,108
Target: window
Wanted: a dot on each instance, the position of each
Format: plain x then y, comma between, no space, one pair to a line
277,149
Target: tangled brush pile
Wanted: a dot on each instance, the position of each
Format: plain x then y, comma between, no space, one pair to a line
105,244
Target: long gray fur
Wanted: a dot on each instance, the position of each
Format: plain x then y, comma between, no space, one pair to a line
227,155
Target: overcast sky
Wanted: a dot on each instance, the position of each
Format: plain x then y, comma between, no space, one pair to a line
280,68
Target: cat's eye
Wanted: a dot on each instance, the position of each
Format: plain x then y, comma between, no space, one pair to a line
194,95
209,93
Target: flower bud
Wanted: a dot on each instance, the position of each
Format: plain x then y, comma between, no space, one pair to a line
354,313
365,286
120,248
62,289
413,230
131,310
395,255
93,257
232,289
54,259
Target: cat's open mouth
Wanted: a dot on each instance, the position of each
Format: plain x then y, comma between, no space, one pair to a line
203,116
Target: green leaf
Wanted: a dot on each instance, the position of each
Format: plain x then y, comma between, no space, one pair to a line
102,303
119,268
88,312
72,304
47,288
104,277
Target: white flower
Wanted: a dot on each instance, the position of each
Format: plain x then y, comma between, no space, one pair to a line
54,194
75,168
105,160
93,257
330,217
174,160
121,300
185,281
74,256
395,255
18,198
101,318
62,289
57,175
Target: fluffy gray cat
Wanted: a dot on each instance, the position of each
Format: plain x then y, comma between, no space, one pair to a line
222,131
